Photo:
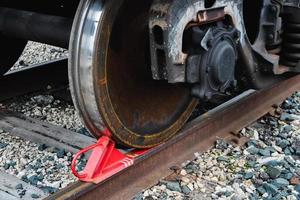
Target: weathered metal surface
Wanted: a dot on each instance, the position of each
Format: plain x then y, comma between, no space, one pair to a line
172,18
290,54
8,189
111,80
169,20
197,136
34,78
33,26
43,133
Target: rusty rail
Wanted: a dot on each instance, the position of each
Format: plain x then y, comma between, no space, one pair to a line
197,136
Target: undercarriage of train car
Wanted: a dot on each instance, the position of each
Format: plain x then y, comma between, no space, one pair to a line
140,67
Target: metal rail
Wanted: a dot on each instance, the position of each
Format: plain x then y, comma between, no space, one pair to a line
197,136
34,78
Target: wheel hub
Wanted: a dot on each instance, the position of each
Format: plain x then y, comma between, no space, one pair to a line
212,61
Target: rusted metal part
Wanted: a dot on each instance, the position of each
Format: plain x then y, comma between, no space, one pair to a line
35,26
34,78
111,80
168,20
197,136
172,18
257,48
209,16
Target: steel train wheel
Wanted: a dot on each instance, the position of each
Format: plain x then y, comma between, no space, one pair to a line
11,50
110,76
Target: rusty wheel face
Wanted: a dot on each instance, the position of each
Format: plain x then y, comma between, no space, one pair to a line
110,76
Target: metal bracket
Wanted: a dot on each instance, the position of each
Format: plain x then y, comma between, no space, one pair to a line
105,160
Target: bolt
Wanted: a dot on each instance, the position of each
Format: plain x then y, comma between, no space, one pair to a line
208,96
236,34
208,69
270,36
256,69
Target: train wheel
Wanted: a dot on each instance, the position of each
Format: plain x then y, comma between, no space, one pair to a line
11,50
110,76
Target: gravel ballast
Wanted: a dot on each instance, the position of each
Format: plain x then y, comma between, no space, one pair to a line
43,167
266,167
36,53
49,109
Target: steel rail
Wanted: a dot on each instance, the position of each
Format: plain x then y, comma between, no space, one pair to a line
34,78
199,135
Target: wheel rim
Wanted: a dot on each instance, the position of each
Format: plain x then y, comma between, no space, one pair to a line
114,88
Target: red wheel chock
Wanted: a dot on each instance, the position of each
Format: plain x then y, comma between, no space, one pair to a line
104,161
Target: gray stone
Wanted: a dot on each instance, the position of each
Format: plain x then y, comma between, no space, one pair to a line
248,175
173,186
281,182
42,147
139,196
270,188
60,153
277,196
22,193
261,190
3,145
287,128
258,182
271,149
283,143
35,196
297,188
297,151
222,158
252,143
185,189
287,151
264,152
274,163
288,117
221,144
273,172
253,196
287,176
290,160
33,179
251,164
49,190
19,186
264,176
252,150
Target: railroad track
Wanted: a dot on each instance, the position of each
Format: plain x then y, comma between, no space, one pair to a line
23,81
224,121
